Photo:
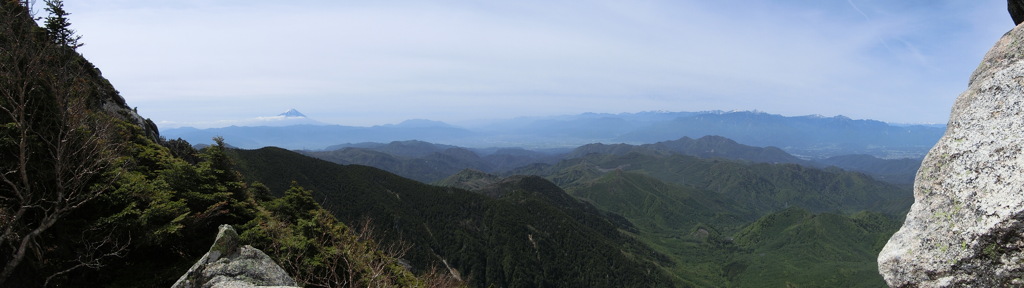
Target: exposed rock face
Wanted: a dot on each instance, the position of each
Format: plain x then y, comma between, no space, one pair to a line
1016,8
966,227
229,266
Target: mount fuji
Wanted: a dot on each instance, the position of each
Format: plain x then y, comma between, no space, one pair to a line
292,113
288,118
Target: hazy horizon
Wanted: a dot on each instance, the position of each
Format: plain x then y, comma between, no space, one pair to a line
362,64
280,120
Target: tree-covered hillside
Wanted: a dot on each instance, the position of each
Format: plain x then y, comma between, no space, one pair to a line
711,241
796,248
701,213
532,234
429,162
758,187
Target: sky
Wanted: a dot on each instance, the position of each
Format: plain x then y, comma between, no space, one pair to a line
363,63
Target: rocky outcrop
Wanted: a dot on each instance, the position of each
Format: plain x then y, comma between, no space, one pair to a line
228,266
1016,8
966,227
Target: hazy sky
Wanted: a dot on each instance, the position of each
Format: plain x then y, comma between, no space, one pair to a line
377,62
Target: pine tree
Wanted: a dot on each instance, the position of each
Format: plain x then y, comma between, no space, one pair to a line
58,25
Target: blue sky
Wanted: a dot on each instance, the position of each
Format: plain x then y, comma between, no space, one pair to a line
377,62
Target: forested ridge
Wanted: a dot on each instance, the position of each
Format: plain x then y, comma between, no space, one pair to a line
813,227
530,234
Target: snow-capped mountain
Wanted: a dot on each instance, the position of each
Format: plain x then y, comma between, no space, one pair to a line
288,118
292,113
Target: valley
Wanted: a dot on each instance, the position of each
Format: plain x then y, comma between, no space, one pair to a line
707,212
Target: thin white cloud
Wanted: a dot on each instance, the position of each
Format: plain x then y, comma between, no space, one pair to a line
276,121
861,12
455,60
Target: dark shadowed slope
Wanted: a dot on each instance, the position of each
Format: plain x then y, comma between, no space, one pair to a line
532,235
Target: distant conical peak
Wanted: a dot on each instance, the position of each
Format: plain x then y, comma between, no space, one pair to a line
292,113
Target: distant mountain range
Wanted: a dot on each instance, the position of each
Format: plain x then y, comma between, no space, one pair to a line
807,137
429,162
314,136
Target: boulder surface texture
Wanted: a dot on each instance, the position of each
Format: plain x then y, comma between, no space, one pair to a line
966,227
228,266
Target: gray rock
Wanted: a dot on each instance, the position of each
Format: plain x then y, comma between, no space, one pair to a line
1016,8
966,227
226,266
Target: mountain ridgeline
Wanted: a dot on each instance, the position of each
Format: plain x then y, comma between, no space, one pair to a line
428,162
811,137
530,234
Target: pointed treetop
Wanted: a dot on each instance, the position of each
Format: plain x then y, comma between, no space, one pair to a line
58,26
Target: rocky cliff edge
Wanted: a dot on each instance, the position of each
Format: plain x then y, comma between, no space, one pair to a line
228,266
966,227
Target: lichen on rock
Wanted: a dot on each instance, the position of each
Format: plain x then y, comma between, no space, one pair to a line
966,227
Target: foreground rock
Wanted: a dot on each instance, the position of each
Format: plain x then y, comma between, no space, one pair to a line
966,227
227,266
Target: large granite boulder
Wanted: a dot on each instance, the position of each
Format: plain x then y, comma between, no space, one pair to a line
966,227
228,266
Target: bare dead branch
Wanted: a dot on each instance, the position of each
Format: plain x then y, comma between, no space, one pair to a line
55,149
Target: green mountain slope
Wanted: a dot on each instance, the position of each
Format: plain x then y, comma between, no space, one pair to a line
689,225
532,235
704,147
470,179
795,248
654,204
692,209
426,168
759,187
899,171
409,148
711,243
428,162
